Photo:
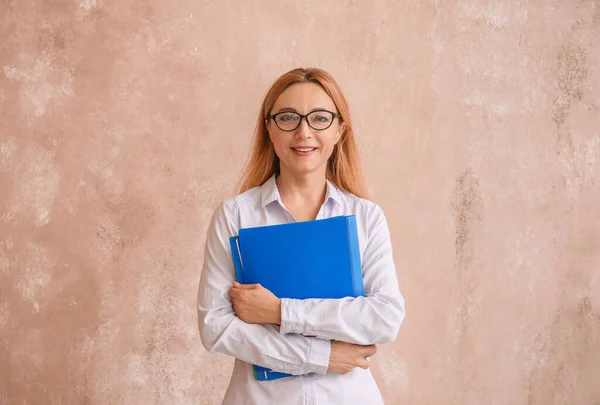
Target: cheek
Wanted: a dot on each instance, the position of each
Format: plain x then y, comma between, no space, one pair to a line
328,142
278,144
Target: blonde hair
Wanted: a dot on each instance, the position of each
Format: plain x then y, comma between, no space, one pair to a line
343,168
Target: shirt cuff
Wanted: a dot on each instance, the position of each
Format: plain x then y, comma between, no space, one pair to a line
318,356
292,316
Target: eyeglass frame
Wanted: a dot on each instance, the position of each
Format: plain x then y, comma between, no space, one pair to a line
305,117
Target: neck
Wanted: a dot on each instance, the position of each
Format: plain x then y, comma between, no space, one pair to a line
306,189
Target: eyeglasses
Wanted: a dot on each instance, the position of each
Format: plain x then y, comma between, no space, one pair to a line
318,120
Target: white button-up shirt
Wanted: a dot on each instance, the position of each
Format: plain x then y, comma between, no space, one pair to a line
301,345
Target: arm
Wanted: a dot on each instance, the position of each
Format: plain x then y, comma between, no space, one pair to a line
374,318
222,331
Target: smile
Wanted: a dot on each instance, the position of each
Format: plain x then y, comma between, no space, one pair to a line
304,149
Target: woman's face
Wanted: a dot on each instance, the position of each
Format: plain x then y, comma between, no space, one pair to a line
304,150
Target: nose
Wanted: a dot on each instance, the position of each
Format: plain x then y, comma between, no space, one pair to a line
304,130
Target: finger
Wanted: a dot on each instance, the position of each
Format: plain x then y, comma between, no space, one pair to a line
234,293
363,363
236,284
370,350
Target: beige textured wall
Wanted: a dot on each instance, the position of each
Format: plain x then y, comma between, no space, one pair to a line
123,123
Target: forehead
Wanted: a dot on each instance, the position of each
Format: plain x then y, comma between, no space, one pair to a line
304,97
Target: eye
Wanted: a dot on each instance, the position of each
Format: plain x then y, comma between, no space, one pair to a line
321,118
288,117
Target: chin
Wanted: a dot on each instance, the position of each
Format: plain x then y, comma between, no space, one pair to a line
303,169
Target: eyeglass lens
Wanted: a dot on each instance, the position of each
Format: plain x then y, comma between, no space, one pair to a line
289,121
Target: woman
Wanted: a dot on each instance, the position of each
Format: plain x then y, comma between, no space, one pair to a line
304,165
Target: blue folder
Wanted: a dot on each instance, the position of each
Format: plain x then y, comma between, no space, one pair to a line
311,259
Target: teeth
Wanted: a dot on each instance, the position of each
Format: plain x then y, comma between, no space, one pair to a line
304,150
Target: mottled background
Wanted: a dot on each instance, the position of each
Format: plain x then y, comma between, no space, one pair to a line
124,123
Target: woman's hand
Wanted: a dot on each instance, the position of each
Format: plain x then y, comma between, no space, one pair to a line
253,303
345,356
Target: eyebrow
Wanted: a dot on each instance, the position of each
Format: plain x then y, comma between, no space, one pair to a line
294,110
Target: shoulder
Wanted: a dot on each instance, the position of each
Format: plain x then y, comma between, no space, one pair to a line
251,199
362,206
370,215
230,207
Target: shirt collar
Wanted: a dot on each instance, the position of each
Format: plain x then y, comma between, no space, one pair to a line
270,192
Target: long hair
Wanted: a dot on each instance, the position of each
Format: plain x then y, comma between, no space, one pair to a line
343,168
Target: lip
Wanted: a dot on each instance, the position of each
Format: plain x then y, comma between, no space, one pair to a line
298,153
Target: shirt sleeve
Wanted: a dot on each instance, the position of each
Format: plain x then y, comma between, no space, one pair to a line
374,318
222,331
